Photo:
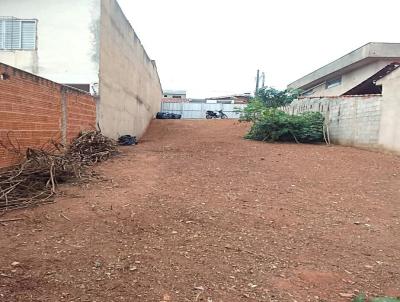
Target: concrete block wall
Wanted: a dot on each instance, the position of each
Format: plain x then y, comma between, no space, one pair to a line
352,120
390,122
34,111
130,88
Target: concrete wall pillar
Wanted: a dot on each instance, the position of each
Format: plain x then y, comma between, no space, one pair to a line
389,137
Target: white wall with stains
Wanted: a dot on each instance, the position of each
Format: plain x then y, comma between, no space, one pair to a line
67,39
390,121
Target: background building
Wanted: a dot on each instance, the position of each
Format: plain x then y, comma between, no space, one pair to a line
230,99
352,74
358,95
88,44
174,94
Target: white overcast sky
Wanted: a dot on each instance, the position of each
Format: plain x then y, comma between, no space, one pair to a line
214,47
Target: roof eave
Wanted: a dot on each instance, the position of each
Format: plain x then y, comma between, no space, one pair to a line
363,55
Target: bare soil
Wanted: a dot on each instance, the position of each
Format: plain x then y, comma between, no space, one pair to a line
197,213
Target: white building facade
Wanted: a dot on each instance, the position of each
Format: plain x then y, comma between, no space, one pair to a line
57,40
353,74
359,96
88,44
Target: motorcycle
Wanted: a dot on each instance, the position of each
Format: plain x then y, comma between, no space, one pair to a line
211,114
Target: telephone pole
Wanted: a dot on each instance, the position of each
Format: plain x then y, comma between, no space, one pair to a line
263,79
257,82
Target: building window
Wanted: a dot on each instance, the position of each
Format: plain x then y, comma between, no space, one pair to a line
17,34
333,82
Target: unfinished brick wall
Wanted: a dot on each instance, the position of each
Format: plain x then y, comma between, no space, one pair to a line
81,114
34,111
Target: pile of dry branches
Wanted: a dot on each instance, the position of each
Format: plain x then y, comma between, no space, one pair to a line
90,148
35,180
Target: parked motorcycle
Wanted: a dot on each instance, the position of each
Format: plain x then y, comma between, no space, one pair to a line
211,114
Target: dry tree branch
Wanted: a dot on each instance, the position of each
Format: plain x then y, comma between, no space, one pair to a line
35,180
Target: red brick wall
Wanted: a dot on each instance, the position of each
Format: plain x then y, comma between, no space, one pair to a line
31,112
81,113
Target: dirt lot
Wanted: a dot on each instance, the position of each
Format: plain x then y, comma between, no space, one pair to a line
196,213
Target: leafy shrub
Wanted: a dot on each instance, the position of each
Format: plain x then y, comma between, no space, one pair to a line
274,98
271,124
267,98
275,125
254,110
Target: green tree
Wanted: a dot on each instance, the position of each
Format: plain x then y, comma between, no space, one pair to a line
267,98
274,98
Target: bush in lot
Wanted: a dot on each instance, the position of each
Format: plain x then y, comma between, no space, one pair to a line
254,110
272,125
267,98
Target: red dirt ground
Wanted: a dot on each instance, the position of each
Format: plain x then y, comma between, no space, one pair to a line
197,213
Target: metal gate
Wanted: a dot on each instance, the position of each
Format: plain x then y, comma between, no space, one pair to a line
198,110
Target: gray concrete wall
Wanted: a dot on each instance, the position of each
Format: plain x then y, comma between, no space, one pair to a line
130,89
353,121
390,122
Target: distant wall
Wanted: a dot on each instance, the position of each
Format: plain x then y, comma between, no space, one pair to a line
130,89
352,120
198,110
34,111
